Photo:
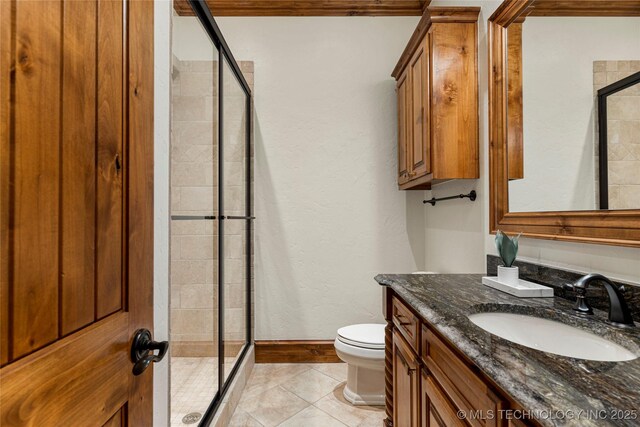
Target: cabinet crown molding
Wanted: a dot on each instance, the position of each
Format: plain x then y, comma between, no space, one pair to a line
433,15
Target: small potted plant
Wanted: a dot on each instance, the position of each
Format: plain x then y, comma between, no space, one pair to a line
508,250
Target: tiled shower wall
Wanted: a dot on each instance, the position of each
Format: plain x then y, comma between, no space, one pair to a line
623,130
193,192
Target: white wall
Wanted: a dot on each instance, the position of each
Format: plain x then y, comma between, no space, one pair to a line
190,41
329,215
559,107
457,233
162,105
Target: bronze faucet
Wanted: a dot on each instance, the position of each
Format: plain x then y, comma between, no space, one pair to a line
619,313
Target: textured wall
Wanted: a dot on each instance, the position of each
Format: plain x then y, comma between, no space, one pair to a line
329,215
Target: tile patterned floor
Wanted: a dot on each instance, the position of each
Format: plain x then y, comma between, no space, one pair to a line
301,395
194,382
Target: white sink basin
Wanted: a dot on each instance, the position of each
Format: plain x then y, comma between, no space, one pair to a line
552,337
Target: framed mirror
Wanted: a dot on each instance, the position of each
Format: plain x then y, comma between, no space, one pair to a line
558,168
619,137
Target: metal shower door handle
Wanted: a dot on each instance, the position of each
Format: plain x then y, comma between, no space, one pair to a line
142,349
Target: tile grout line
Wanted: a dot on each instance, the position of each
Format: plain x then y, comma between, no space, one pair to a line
280,385
276,375
303,409
323,396
320,409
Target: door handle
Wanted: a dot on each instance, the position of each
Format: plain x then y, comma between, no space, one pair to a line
142,350
237,217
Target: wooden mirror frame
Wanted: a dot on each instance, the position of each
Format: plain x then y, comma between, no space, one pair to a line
620,228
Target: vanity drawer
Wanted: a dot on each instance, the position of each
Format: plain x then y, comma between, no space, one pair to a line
463,386
406,322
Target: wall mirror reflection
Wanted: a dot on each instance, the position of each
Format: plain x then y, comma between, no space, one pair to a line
556,66
619,139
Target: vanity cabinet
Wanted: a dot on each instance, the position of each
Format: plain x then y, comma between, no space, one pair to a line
429,383
406,384
437,410
437,90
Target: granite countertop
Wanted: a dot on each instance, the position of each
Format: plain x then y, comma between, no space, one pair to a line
539,381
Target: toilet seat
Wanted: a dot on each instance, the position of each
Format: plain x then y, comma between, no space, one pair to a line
367,335
362,348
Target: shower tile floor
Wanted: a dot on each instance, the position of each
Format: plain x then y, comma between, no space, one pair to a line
301,395
194,382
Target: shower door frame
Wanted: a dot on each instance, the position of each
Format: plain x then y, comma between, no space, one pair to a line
224,54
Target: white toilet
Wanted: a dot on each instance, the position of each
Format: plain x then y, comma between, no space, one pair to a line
362,348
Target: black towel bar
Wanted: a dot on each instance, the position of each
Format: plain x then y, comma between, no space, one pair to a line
471,196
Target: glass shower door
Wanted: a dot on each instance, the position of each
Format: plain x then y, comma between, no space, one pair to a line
194,326
235,205
210,217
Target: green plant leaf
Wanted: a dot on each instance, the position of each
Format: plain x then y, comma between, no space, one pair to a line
499,238
507,247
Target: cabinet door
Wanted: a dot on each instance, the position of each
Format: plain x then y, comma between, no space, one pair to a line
404,128
420,144
406,385
437,409
454,101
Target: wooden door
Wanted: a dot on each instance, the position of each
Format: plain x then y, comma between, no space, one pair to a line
437,410
76,224
420,144
406,384
404,127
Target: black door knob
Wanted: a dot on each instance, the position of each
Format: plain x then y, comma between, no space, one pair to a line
142,350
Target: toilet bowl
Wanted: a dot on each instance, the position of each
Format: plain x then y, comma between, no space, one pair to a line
362,348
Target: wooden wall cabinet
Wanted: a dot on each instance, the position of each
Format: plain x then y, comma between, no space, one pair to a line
429,383
437,86
404,128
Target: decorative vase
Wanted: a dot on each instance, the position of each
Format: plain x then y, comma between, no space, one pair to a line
508,275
